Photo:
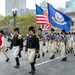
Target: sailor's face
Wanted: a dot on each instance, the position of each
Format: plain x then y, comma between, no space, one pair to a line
30,32
63,33
15,32
51,32
39,31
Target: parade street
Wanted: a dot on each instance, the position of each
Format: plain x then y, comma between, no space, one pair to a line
44,65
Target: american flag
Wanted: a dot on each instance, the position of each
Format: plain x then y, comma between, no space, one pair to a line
42,17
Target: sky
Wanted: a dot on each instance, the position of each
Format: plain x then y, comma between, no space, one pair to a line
31,4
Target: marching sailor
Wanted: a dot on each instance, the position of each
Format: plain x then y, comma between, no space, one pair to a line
16,45
32,46
70,41
74,43
63,45
41,41
52,40
47,41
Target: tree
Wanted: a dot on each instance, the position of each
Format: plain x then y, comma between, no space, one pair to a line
23,22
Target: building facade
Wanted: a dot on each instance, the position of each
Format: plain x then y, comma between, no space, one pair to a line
70,6
19,4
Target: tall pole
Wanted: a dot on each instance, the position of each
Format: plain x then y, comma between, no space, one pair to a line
35,20
14,15
14,21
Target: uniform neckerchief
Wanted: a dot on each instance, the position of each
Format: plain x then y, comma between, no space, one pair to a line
31,35
16,35
1,40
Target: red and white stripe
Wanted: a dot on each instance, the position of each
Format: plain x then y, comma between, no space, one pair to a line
43,19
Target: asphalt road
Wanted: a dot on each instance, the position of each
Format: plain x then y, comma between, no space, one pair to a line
44,65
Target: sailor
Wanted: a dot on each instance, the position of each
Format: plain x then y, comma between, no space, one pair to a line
47,41
63,45
32,46
74,42
70,41
41,41
52,41
16,45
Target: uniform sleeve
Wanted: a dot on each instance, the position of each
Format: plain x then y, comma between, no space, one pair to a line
11,45
21,42
55,36
66,39
37,44
43,36
26,44
3,42
48,37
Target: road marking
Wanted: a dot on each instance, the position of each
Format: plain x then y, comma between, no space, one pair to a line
47,61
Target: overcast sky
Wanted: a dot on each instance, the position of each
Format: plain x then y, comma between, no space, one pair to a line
31,4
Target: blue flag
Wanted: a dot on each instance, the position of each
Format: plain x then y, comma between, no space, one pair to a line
58,19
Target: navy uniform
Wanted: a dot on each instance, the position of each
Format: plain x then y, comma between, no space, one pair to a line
16,45
70,42
52,41
32,46
41,41
47,41
74,43
63,44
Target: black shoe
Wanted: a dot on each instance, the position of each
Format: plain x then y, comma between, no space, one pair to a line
74,54
47,51
38,56
57,50
6,50
17,62
64,59
17,66
43,54
7,59
32,72
52,57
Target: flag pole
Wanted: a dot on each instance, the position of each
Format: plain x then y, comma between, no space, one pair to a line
35,15
47,7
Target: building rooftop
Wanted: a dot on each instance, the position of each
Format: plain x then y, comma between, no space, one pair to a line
70,13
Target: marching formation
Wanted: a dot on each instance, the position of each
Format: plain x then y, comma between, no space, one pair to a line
63,42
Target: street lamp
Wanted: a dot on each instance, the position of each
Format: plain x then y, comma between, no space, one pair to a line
14,10
6,29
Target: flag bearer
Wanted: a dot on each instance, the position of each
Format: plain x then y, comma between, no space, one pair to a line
32,46
41,41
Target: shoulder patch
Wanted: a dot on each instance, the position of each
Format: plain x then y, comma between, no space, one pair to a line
20,37
37,37
12,37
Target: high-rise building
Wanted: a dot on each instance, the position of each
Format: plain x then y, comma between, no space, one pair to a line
70,6
19,4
